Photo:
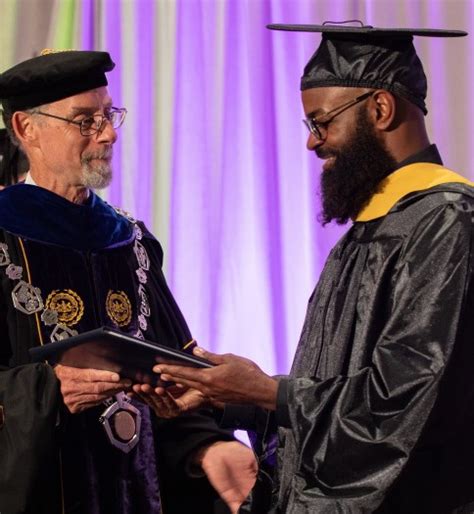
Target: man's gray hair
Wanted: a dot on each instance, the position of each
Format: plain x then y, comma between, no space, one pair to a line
7,116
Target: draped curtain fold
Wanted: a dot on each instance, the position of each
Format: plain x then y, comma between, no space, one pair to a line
212,155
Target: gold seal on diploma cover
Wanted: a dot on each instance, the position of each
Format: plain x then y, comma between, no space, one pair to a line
119,308
67,304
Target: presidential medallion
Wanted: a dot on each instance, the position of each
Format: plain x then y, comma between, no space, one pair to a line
67,304
119,308
121,422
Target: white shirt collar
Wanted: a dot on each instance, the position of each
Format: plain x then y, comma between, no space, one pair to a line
29,180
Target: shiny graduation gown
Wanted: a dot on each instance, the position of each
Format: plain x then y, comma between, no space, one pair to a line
379,405
52,461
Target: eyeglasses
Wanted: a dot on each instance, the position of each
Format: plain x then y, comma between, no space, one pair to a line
319,129
93,124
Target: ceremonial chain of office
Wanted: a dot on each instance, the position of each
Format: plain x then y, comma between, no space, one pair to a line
64,308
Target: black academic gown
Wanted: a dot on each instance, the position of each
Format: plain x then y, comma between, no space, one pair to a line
380,400
377,415
83,259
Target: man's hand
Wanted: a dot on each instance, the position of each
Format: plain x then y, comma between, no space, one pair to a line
85,388
233,380
231,468
171,401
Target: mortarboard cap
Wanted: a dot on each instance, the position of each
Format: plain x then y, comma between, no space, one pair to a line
366,56
52,76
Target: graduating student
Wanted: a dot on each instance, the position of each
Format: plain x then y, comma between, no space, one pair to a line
377,413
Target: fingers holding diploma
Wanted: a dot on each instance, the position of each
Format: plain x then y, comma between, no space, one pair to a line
233,379
85,388
171,401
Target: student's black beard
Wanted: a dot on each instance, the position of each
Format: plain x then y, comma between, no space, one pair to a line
356,174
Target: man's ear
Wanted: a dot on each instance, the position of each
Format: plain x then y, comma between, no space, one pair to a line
25,129
384,107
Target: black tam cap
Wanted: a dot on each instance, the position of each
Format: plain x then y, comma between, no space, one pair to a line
366,56
52,76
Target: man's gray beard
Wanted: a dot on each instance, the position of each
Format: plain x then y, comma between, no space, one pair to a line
98,176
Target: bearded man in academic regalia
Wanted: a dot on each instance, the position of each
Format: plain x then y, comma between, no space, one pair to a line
377,413
71,440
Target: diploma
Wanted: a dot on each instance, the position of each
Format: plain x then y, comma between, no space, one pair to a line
109,349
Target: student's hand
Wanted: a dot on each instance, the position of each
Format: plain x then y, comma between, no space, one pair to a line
169,402
85,388
234,379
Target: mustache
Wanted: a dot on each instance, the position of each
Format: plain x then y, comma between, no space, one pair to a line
105,155
325,153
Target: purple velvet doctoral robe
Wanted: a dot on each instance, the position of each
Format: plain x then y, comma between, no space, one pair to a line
93,267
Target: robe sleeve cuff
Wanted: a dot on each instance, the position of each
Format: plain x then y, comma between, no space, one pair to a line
282,414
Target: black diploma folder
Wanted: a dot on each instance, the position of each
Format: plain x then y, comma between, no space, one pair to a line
105,348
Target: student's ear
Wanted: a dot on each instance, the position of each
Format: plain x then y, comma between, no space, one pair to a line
383,107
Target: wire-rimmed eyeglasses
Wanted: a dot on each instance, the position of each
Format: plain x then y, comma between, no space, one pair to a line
93,124
319,128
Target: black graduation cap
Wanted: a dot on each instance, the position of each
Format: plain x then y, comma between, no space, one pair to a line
52,76
366,56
